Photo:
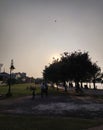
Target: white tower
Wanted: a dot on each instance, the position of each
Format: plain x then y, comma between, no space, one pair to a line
1,67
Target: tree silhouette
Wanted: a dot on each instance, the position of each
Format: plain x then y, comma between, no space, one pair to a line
75,66
95,73
52,72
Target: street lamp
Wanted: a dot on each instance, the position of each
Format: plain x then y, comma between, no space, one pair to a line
11,69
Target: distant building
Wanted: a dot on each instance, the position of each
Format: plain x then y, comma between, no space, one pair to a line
19,75
4,76
16,77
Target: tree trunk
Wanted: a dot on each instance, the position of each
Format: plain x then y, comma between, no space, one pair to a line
90,85
77,88
65,86
94,84
81,84
57,86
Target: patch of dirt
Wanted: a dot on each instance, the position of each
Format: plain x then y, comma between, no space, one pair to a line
73,106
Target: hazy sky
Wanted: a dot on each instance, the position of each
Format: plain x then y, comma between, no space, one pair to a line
34,31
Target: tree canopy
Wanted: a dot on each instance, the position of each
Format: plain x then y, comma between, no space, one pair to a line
75,66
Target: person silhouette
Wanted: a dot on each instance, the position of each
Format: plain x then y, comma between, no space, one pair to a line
44,89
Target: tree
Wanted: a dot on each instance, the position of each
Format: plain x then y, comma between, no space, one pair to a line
52,72
95,73
75,66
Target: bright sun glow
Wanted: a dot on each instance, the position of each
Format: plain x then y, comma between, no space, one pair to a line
54,56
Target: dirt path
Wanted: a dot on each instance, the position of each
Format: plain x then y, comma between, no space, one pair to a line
73,106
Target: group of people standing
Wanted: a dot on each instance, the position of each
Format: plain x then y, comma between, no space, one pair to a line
43,88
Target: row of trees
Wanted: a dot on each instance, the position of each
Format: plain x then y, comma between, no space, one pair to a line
73,67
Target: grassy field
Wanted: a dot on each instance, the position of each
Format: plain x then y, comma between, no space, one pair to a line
19,90
27,122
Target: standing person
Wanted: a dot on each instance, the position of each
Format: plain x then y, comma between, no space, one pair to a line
33,89
42,86
46,89
33,93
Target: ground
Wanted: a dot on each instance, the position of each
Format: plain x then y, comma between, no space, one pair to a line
76,106
58,105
